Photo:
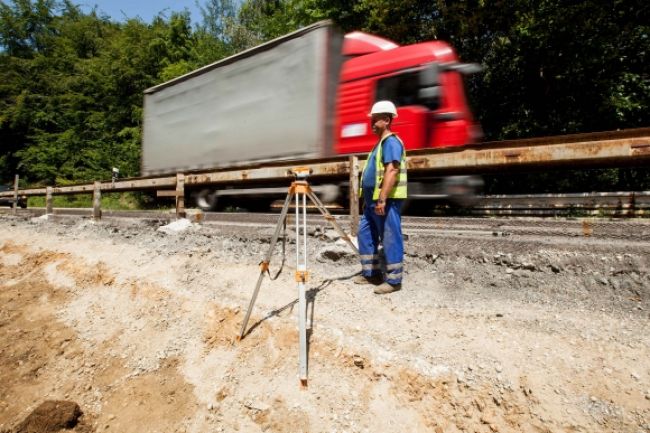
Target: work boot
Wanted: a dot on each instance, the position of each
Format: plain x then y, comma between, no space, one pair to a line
387,288
361,279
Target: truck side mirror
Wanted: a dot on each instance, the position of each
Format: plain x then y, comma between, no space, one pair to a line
464,68
430,92
430,75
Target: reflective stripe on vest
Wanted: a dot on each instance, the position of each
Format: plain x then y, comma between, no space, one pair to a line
399,189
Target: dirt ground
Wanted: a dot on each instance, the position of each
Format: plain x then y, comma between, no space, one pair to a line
138,328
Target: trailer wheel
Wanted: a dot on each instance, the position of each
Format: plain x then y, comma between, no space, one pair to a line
207,200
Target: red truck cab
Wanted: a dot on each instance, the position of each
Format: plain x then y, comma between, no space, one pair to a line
423,80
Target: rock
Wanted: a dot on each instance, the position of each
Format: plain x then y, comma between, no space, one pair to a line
358,361
487,419
431,258
176,227
343,243
258,406
40,219
331,235
555,268
627,285
51,416
528,266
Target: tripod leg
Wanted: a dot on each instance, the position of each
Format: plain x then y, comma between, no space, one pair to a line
265,263
301,258
328,216
302,320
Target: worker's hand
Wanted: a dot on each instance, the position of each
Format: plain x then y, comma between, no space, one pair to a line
380,208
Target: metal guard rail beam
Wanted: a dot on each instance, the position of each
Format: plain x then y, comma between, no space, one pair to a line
606,149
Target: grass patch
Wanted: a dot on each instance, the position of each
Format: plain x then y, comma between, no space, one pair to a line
112,201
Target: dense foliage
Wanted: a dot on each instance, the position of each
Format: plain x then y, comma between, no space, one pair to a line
71,82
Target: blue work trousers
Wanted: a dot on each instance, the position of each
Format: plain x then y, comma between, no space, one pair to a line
386,230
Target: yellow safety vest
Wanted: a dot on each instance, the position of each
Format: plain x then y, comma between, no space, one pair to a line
399,189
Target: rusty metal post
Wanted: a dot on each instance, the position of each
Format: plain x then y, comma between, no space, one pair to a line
97,201
354,194
15,206
180,195
48,201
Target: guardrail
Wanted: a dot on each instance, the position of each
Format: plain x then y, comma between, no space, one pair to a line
594,150
620,204
617,205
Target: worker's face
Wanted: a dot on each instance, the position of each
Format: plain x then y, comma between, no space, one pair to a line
379,122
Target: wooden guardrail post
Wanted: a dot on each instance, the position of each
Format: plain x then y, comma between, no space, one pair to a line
48,201
97,201
180,195
15,206
632,209
354,194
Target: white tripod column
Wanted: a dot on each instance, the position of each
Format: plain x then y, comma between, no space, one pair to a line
301,277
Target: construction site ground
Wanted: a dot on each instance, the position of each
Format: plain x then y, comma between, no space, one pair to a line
138,327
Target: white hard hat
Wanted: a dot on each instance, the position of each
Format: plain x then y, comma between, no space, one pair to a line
383,107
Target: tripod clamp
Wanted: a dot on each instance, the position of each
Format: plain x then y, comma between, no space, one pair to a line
300,173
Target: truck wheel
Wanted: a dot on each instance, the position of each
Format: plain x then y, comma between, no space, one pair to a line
463,191
207,200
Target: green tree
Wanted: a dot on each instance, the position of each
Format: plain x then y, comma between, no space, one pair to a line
71,83
71,90
553,67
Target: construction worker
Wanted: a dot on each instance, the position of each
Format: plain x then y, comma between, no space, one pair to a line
383,188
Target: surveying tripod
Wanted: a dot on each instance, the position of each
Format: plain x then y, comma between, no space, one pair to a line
299,189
